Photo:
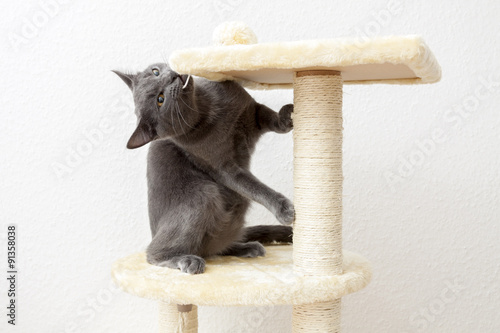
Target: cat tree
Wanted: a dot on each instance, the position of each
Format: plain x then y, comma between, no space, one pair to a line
314,273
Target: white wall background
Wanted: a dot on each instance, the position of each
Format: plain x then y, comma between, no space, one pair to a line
435,226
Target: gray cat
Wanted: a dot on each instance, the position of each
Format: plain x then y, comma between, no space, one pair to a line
199,184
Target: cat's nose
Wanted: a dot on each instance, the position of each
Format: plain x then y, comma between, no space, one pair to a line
167,79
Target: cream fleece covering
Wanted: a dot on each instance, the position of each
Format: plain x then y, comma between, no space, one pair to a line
229,281
393,59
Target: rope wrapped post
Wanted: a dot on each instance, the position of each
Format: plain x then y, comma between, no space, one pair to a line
317,239
178,318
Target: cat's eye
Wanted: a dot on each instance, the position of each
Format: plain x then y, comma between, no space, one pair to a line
156,71
160,99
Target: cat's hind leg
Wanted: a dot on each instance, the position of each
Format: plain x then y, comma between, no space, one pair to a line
176,248
193,227
187,263
246,250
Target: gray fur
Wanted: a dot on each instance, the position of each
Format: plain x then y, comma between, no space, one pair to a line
199,183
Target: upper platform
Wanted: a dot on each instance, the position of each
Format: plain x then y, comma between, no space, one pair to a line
400,60
228,281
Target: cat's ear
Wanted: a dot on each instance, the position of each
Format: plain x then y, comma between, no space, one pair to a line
129,79
143,134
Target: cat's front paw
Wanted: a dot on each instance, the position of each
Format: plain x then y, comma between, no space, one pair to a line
191,264
286,212
285,118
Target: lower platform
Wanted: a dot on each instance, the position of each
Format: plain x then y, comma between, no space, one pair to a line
232,281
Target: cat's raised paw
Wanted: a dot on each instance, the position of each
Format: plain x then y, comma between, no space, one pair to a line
286,212
285,118
191,264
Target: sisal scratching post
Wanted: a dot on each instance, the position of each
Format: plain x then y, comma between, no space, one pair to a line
178,318
317,249
317,317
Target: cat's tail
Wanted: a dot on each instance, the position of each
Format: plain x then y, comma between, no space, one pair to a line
268,234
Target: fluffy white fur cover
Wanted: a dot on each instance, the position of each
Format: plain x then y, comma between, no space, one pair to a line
231,281
212,62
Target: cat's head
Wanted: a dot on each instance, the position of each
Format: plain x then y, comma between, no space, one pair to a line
163,103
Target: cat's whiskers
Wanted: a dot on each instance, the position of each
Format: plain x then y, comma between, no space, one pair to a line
180,112
187,105
171,111
177,113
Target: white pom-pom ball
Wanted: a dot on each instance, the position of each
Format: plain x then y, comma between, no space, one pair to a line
231,33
